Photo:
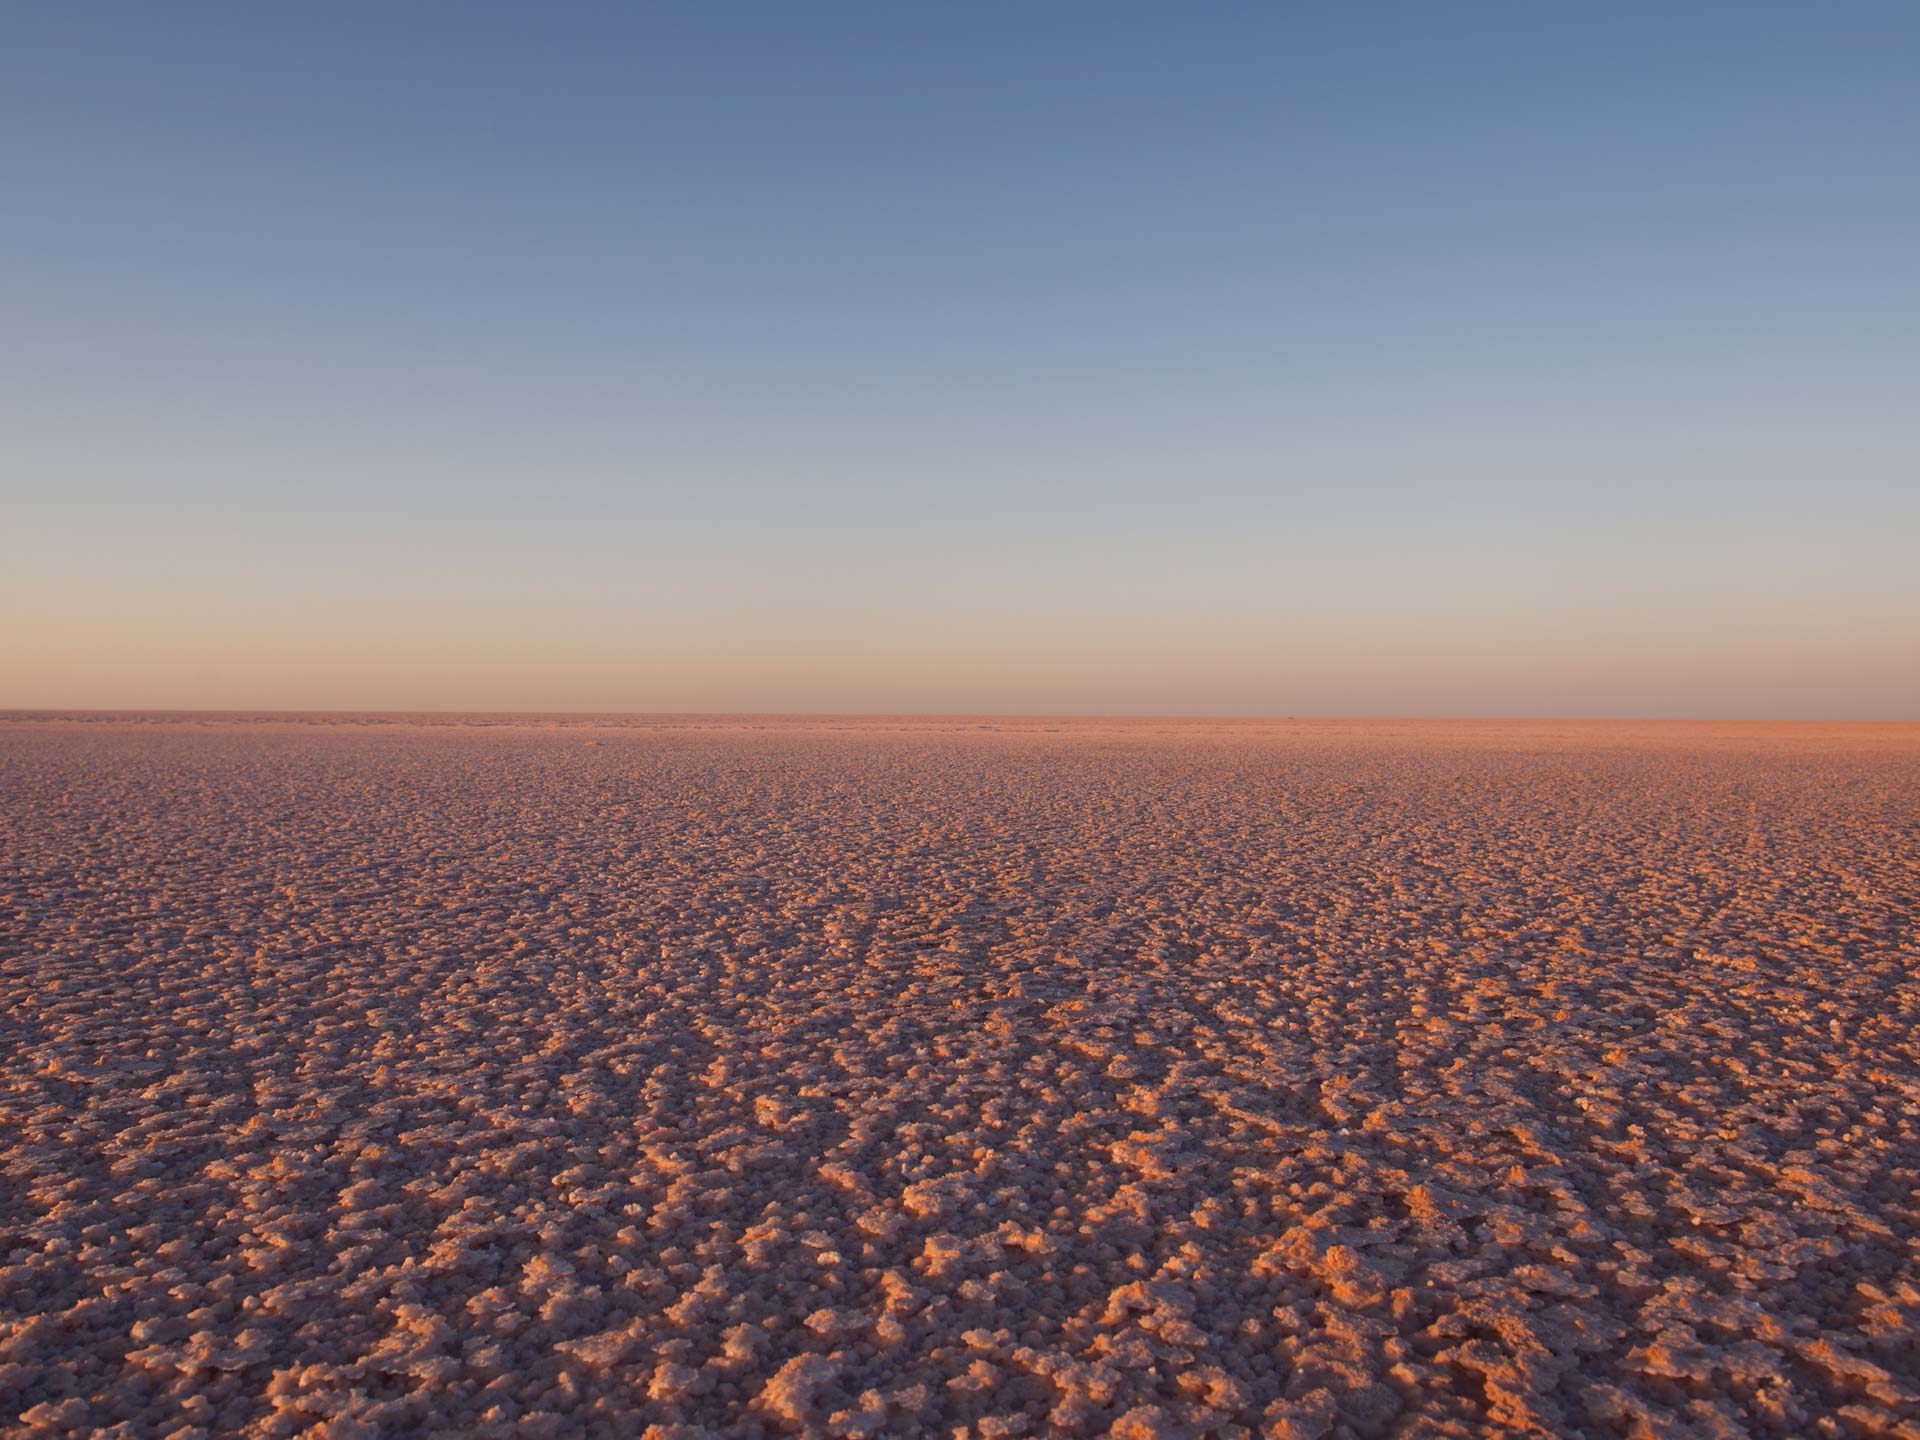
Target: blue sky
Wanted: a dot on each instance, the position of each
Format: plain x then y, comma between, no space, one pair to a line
1333,359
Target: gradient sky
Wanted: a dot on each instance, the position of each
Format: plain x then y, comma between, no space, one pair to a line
1489,359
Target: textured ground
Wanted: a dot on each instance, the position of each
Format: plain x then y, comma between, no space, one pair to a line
924,1077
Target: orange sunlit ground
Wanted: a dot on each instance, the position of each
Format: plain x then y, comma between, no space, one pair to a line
988,1078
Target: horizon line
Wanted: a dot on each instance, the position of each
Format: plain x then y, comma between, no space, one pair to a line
270,712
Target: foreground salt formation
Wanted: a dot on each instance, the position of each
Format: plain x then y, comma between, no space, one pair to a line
930,1078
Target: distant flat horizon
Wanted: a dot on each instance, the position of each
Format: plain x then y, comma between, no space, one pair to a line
667,717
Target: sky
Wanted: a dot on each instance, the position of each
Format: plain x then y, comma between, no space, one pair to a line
1131,359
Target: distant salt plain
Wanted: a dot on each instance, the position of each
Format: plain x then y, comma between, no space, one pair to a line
694,1076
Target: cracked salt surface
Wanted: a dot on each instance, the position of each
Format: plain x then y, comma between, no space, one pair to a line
905,1077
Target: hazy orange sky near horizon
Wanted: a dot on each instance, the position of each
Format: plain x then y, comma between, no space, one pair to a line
879,665
1105,361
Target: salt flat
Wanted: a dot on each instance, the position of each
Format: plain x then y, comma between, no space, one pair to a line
957,1077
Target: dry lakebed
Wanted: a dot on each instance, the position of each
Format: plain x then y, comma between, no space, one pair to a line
706,1076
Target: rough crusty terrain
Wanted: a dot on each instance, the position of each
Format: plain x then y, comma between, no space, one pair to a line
956,1078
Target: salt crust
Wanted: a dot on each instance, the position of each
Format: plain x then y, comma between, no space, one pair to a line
713,1078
